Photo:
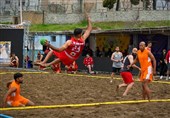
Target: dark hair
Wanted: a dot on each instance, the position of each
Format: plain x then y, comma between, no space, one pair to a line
77,31
17,75
149,42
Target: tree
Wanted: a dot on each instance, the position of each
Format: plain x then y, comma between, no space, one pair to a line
109,3
117,5
135,2
154,4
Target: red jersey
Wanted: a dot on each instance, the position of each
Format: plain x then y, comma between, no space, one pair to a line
168,56
88,61
69,55
75,49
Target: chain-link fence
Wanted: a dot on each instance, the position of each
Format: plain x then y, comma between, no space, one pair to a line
34,10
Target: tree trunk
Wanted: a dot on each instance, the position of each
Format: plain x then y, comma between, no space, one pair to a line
154,4
117,5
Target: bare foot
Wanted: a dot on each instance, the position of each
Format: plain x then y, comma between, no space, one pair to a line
44,64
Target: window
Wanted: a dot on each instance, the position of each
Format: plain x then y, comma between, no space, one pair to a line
7,2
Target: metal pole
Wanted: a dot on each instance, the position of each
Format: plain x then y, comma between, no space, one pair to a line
21,11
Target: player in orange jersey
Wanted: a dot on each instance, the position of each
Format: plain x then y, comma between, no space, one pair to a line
148,68
13,97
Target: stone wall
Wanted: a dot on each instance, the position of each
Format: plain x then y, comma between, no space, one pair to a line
51,18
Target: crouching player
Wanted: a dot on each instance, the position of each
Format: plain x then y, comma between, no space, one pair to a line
13,97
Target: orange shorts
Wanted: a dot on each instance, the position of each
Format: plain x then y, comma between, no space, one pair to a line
18,102
146,74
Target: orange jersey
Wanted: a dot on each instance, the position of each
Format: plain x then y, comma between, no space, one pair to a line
144,59
15,95
146,65
15,99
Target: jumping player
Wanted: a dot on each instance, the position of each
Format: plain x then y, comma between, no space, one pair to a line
126,72
71,50
13,97
148,68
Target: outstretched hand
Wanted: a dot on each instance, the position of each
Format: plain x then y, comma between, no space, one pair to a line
47,43
87,16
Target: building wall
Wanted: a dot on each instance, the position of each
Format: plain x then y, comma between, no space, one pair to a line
51,18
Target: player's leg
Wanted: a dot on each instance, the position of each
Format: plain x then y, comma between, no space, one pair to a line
146,89
89,68
113,73
26,102
47,57
168,71
143,91
56,61
129,86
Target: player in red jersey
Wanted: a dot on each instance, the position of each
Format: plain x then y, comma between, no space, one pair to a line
71,50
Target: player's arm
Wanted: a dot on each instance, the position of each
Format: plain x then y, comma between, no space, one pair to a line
10,91
41,57
88,30
153,61
134,62
131,62
62,48
17,59
112,58
121,58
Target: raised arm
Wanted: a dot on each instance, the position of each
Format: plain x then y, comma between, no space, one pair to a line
153,61
89,29
62,48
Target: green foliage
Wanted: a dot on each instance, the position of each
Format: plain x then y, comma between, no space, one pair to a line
135,2
101,25
109,3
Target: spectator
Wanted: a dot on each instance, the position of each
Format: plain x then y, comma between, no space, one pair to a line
72,68
117,58
109,52
103,53
163,66
14,61
87,50
149,45
98,52
168,64
88,62
39,57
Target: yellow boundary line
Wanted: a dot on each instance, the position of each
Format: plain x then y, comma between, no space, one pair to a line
83,105
102,77
79,75
24,72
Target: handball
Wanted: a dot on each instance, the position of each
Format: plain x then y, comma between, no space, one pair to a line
42,41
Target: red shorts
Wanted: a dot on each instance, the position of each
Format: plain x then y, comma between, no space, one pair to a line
63,58
127,77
